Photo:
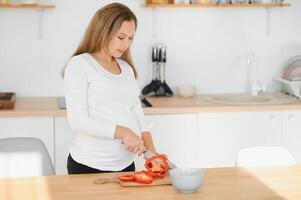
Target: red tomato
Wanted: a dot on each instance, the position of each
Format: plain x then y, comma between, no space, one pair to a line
142,177
127,178
154,174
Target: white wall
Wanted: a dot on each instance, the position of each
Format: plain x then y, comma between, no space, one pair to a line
206,47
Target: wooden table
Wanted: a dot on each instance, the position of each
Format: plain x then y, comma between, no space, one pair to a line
221,183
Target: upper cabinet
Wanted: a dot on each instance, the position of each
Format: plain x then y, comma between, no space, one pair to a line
208,4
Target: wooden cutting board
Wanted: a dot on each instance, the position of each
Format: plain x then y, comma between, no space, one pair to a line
114,179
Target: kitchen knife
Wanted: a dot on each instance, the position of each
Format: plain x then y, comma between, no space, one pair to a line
148,154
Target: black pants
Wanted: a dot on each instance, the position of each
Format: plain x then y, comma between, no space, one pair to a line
78,168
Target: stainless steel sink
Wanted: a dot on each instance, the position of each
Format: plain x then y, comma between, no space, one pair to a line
245,99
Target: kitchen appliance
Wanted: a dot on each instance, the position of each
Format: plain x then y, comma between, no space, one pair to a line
158,85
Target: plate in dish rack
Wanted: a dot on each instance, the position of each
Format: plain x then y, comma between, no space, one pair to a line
289,72
295,73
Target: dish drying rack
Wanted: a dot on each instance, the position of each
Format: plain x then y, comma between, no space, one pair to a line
290,87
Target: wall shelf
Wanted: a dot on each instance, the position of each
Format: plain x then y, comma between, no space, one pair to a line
210,5
40,10
28,6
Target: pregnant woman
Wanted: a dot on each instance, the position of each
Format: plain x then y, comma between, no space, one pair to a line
102,96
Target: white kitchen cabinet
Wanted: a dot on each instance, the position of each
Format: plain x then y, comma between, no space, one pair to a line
292,133
175,136
37,127
63,140
204,139
222,135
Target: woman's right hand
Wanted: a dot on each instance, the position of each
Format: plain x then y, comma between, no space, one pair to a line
131,141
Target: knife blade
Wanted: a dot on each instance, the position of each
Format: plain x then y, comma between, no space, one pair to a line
148,154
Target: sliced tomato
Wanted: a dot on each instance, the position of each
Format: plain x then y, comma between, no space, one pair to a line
127,178
154,174
142,177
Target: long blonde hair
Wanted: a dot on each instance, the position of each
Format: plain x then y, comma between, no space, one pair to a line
101,29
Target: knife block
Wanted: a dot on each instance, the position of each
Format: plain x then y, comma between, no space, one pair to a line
7,100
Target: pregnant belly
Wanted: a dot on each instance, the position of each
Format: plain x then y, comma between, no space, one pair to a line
102,150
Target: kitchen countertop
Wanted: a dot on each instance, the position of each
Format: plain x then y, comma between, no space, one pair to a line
275,183
199,104
48,106
34,107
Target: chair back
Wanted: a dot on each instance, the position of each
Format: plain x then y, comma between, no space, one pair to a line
24,156
264,156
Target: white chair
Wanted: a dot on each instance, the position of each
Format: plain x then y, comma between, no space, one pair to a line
24,157
264,156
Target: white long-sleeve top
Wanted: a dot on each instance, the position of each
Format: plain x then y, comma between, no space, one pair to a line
97,101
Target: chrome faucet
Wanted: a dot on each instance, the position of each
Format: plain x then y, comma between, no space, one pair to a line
254,87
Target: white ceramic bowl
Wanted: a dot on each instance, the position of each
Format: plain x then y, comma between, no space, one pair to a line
186,90
187,180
